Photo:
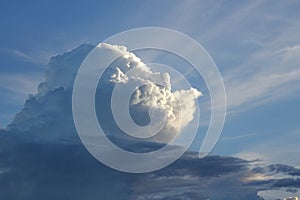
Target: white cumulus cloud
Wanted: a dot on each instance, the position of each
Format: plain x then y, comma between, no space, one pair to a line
291,198
156,93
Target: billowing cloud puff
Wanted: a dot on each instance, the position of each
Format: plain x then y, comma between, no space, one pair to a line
178,107
156,93
174,104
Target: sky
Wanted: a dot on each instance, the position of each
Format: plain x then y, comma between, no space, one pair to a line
255,45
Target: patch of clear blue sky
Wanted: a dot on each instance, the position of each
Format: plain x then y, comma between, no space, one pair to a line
237,34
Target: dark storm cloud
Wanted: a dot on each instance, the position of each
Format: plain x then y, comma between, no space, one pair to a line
287,182
284,169
56,171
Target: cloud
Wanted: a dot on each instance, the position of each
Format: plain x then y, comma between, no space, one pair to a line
259,64
63,68
274,151
53,96
287,182
190,178
65,170
43,158
14,90
276,194
288,50
291,198
155,92
284,169
18,84
39,57
266,74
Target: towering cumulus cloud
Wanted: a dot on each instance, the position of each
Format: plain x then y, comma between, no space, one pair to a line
155,93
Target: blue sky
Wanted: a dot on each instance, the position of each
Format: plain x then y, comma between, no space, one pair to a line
255,44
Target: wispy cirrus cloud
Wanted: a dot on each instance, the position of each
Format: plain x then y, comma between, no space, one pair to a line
280,148
15,88
38,57
19,83
255,46
18,86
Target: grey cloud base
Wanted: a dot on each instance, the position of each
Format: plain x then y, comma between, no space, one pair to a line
67,171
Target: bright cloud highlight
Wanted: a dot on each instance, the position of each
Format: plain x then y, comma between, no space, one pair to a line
178,107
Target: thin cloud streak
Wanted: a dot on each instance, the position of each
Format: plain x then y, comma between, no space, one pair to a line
19,85
266,73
